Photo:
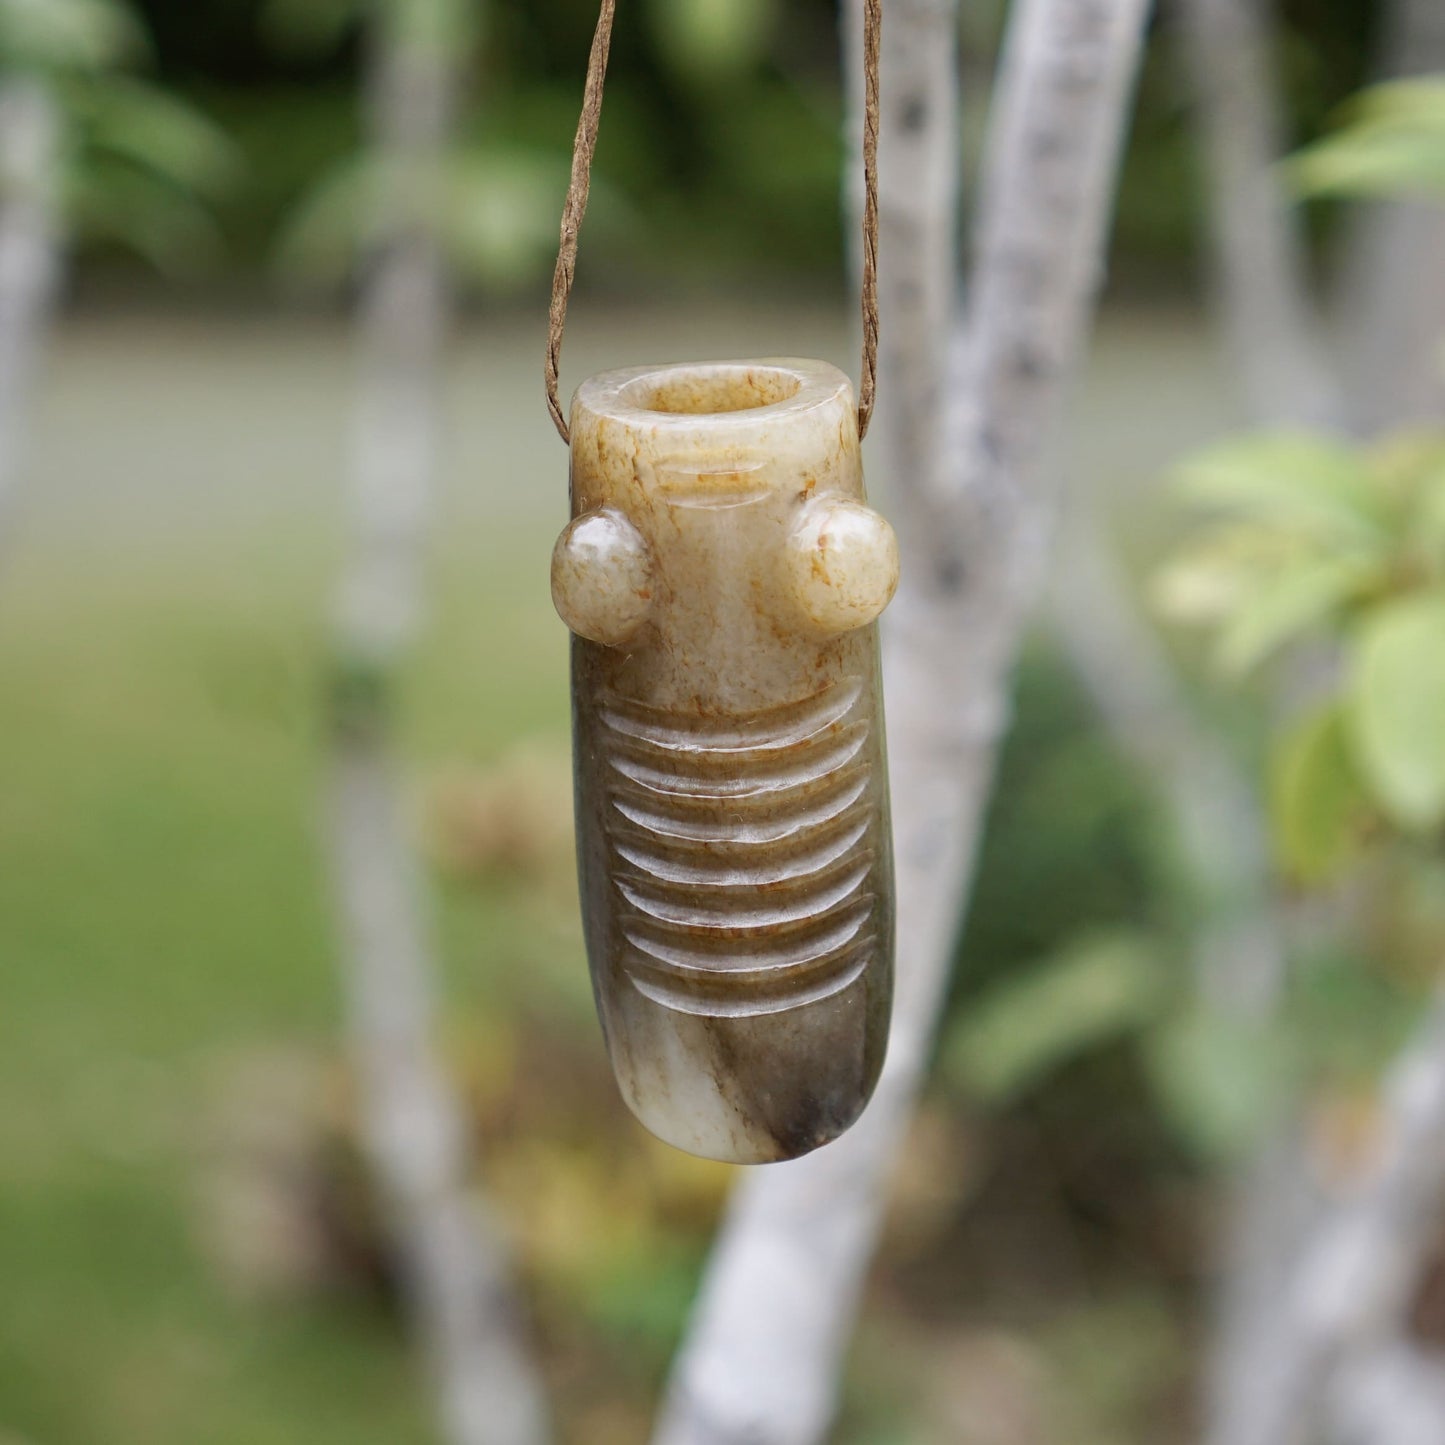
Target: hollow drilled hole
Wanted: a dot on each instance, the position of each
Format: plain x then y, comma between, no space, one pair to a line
716,390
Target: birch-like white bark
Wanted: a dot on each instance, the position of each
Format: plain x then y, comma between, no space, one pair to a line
1239,951
1395,282
30,257
1272,1362
454,1265
1289,376
1357,1268
1394,1397
1262,286
1389,1394
762,1359
1260,261
918,179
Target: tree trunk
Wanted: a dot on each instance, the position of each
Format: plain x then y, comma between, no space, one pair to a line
1277,345
1395,282
1239,950
30,258
1348,1292
762,1359
1260,262
1396,1397
454,1266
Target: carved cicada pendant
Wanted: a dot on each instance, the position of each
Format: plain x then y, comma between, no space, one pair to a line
722,576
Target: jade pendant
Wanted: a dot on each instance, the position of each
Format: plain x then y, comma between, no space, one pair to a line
722,576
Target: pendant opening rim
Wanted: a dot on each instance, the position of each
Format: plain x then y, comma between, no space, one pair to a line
712,389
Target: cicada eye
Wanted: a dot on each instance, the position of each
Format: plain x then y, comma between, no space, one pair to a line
843,563
602,577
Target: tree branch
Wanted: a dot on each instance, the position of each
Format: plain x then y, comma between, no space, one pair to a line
455,1269
1276,338
763,1356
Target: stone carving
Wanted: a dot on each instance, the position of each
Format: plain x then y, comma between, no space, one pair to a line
722,576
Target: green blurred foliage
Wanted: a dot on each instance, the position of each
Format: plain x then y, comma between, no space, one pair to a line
1303,541
1317,797
1219,1082
496,217
720,160
1074,989
713,42
299,29
140,168
1395,700
1096,989
1326,552
1072,964
1391,142
69,35
145,172
1312,538
717,115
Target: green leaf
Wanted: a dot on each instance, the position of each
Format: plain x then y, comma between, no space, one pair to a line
1292,479
139,123
496,216
1317,799
500,223
1349,1018
1287,604
62,35
1427,530
1219,1082
1397,708
1405,461
1388,162
1203,584
109,201
322,237
1216,573
1392,144
1087,995
713,38
1420,99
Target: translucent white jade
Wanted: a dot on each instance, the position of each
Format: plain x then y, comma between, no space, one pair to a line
722,575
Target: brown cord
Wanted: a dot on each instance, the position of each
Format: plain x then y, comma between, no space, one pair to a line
581,184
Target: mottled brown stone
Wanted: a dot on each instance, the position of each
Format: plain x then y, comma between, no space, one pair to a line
723,576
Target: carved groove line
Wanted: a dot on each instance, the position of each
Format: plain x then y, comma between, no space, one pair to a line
742,849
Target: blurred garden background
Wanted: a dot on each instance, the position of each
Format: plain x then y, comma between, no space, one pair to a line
189,1248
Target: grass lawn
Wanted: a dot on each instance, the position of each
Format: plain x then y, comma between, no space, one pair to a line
162,910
